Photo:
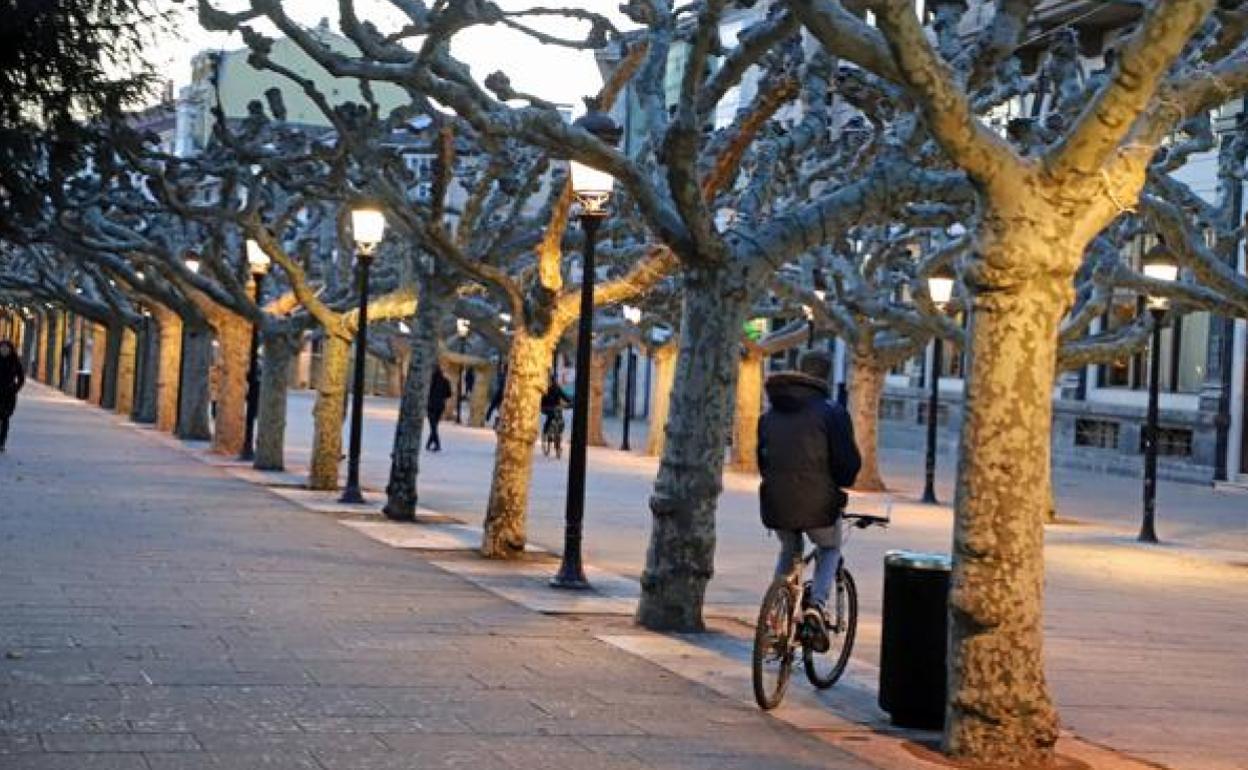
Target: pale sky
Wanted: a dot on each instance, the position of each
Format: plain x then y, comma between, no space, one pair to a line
553,73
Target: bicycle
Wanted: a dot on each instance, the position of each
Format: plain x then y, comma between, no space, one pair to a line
781,630
552,434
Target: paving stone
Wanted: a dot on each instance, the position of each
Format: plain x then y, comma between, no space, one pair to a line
118,742
201,622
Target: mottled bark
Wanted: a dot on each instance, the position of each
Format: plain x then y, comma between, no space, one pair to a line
664,363
148,362
58,350
681,554
270,435
195,398
1000,711
866,380
69,366
331,404
597,396
49,347
127,360
394,376
401,492
77,343
166,374
233,359
99,344
112,364
40,369
480,401
749,407
519,423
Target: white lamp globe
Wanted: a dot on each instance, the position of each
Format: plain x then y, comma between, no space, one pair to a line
368,226
940,288
256,258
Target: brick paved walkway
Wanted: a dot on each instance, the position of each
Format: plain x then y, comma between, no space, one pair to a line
155,614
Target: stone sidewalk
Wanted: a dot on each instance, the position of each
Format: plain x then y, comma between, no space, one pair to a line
1143,643
157,613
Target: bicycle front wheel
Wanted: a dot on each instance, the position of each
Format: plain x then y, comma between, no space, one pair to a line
773,646
824,668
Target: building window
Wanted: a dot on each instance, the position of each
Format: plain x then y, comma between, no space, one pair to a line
1099,434
892,409
1171,442
942,414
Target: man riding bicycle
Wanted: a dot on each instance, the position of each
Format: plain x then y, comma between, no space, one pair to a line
807,456
553,401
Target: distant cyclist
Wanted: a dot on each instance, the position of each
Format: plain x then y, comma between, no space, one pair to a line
807,456
553,402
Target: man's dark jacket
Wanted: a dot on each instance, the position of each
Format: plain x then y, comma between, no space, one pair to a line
439,393
806,453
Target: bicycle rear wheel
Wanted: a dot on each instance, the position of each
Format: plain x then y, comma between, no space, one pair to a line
824,668
773,646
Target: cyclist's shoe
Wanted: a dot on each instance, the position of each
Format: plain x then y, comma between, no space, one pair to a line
816,630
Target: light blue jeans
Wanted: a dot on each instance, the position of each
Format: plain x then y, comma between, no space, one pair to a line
827,541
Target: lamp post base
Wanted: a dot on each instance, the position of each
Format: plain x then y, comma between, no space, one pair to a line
351,495
929,497
570,582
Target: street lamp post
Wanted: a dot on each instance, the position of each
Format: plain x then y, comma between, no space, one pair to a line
258,263
1159,264
592,189
633,316
940,288
368,225
462,327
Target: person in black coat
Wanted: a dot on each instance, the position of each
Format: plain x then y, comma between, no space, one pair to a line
500,387
807,456
12,378
435,407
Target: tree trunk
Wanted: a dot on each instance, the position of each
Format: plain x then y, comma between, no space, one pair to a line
41,370
401,492
480,401
195,398
270,435
748,409
681,555
166,374
331,406
1000,711
597,396
75,341
660,397
127,357
75,354
112,365
234,357
866,384
58,350
519,423
149,361
99,346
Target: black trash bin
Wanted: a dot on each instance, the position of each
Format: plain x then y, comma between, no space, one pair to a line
83,387
914,638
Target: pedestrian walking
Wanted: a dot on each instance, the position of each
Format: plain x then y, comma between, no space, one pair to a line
807,456
435,407
12,378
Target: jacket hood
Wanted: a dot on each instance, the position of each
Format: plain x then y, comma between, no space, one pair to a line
790,391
